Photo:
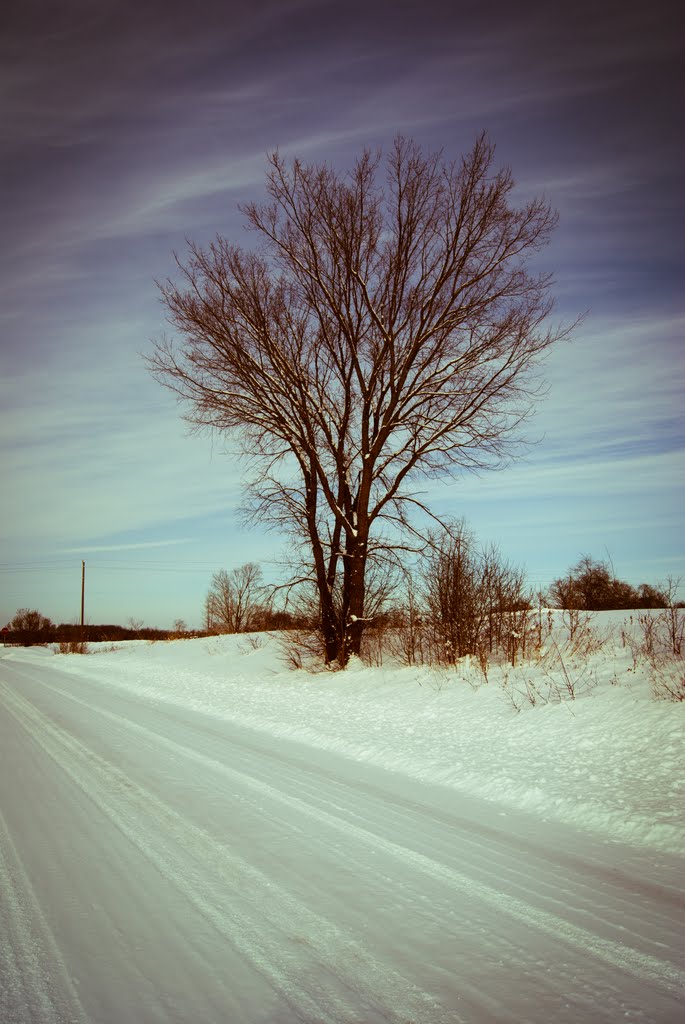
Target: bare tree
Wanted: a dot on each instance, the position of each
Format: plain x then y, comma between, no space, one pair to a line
410,631
475,600
455,597
673,616
29,626
31,621
593,586
383,330
233,603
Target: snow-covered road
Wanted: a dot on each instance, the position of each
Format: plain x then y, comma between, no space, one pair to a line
158,864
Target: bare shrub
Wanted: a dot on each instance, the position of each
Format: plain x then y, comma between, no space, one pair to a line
371,652
674,616
583,637
667,679
560,676
520,689
73,647
303,648
661,635
484,664
571,619
522,635
474,599
568,670
251,643
650,632
408,639
660,645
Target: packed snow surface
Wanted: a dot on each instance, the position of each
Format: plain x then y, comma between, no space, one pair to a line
192,831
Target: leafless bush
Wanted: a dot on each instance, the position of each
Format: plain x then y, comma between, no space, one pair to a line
520,689
542,624
522,635
584,638
568,671
660,645
73,647
374,642
660,636
407,640
650,635
560,676
674,616
303,648
571,619
667,678
251,643
484,664
474,599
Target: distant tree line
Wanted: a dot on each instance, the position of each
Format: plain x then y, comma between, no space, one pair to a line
29,627
458,598
226,611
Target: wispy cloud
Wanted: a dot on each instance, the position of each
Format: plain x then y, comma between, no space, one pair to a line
92,548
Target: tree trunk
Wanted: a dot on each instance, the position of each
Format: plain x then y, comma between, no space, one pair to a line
355,588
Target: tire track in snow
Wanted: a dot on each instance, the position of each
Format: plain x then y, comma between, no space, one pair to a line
615,954
343,981
35,985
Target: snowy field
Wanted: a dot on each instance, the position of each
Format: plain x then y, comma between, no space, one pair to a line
190,830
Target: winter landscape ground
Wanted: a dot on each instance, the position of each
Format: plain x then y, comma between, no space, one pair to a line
192,831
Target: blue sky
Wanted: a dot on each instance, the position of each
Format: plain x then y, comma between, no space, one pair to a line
131,127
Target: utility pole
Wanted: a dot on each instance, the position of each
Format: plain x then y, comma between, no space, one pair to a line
83,593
